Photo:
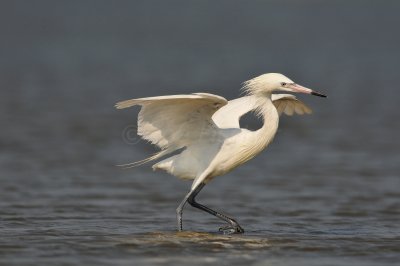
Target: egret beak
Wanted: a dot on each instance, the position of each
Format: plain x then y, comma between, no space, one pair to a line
298,88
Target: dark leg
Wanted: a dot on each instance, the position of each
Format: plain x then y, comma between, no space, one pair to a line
233,226
180,208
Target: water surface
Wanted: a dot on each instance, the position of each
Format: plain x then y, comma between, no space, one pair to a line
326,192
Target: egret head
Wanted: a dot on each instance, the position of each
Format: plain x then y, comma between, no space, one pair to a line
272,82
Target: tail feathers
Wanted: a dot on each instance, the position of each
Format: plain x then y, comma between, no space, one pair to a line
149,159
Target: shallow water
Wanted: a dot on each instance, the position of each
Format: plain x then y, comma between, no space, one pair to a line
326,192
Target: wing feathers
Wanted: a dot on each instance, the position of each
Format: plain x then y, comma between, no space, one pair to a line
171,99
175,120
151,158
289,104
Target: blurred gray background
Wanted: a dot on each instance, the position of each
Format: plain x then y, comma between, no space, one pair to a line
64,64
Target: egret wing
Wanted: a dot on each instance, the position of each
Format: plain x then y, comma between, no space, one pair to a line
175,121
229,115
289,104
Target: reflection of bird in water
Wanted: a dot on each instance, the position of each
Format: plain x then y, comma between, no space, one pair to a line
206,128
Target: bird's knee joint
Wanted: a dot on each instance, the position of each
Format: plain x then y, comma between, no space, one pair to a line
191,201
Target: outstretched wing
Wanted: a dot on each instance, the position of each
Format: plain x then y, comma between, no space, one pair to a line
229,115
289,104
175,121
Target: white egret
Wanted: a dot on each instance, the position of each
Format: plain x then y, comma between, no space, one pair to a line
205,127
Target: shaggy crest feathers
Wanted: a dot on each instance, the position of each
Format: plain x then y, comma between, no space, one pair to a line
264,83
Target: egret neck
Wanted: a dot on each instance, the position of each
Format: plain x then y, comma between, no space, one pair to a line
263,136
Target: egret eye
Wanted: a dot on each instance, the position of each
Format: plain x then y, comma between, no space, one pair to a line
283,84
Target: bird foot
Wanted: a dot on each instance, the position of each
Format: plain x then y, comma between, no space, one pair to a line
231,229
